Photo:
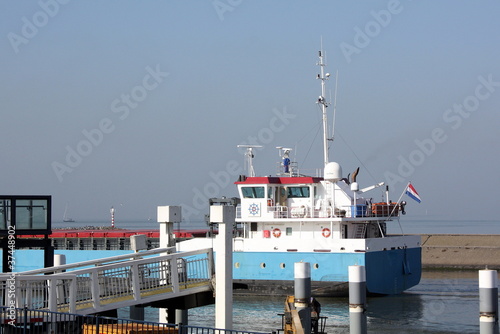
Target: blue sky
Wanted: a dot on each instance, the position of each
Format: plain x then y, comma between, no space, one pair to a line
138,104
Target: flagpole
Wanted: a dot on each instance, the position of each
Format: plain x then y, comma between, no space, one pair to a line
400,197
397,206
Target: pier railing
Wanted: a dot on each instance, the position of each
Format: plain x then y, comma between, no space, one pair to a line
109,286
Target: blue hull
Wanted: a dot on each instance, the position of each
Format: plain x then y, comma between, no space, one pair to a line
387,272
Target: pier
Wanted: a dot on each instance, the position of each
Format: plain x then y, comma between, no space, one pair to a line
143,278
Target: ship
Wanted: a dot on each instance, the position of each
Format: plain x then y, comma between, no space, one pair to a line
67,219
327,220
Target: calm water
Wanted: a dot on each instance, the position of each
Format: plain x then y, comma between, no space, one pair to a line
444,302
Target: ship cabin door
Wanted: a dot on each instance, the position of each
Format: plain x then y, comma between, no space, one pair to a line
281,195
343,231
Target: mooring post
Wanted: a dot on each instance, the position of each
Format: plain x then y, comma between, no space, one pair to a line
488,302
357,299
225,216
302,291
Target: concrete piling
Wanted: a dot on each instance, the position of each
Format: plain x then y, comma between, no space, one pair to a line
357,300
167,217
488,302
302,292
225,216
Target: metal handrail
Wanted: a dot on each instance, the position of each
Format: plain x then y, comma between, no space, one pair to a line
98,262
111,286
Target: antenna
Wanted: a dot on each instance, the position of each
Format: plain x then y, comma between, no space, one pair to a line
334,105
324,104
249,158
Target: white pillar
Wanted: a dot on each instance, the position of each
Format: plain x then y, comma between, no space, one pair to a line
302,292
488,302
167,216
357,299
59,260
224,215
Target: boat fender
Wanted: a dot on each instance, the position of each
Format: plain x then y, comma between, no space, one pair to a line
276,232
326,232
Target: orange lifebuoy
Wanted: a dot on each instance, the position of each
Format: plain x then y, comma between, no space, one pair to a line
276,232
326,232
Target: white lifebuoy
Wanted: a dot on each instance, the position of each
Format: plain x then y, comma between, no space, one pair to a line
276,232
326,232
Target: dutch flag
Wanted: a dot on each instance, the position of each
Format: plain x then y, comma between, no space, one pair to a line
410,191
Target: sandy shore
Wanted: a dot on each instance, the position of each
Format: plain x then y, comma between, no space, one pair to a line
459,251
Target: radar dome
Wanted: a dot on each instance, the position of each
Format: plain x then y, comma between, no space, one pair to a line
333,171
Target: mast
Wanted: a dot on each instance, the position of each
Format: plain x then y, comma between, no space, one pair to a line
249,158
324,104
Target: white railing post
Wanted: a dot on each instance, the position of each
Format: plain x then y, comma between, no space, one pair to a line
52,285
18,297
29,295
174,274
95,288
136,284
72,295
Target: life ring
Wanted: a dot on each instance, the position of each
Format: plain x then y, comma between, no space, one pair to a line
326,232
276,232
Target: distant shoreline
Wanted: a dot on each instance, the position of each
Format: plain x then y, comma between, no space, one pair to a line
460,251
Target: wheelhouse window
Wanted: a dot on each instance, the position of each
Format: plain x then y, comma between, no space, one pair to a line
252,192
298,192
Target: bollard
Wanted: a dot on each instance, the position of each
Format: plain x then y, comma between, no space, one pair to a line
302,292
488,302
357,299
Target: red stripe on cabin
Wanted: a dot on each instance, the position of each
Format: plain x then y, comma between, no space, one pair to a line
280,180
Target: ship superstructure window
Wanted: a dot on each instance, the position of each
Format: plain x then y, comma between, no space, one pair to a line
253,192
298,192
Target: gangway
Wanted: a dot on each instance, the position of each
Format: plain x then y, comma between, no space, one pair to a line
110,283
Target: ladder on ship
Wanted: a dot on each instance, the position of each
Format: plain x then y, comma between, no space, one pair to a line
360,231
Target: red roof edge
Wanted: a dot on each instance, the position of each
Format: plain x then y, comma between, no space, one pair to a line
280,180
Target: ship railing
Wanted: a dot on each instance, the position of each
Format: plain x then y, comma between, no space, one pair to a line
378,210
110,286
293,170
381,210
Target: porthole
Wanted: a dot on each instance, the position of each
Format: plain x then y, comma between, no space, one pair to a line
282,265
236,265
316,266
262,265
